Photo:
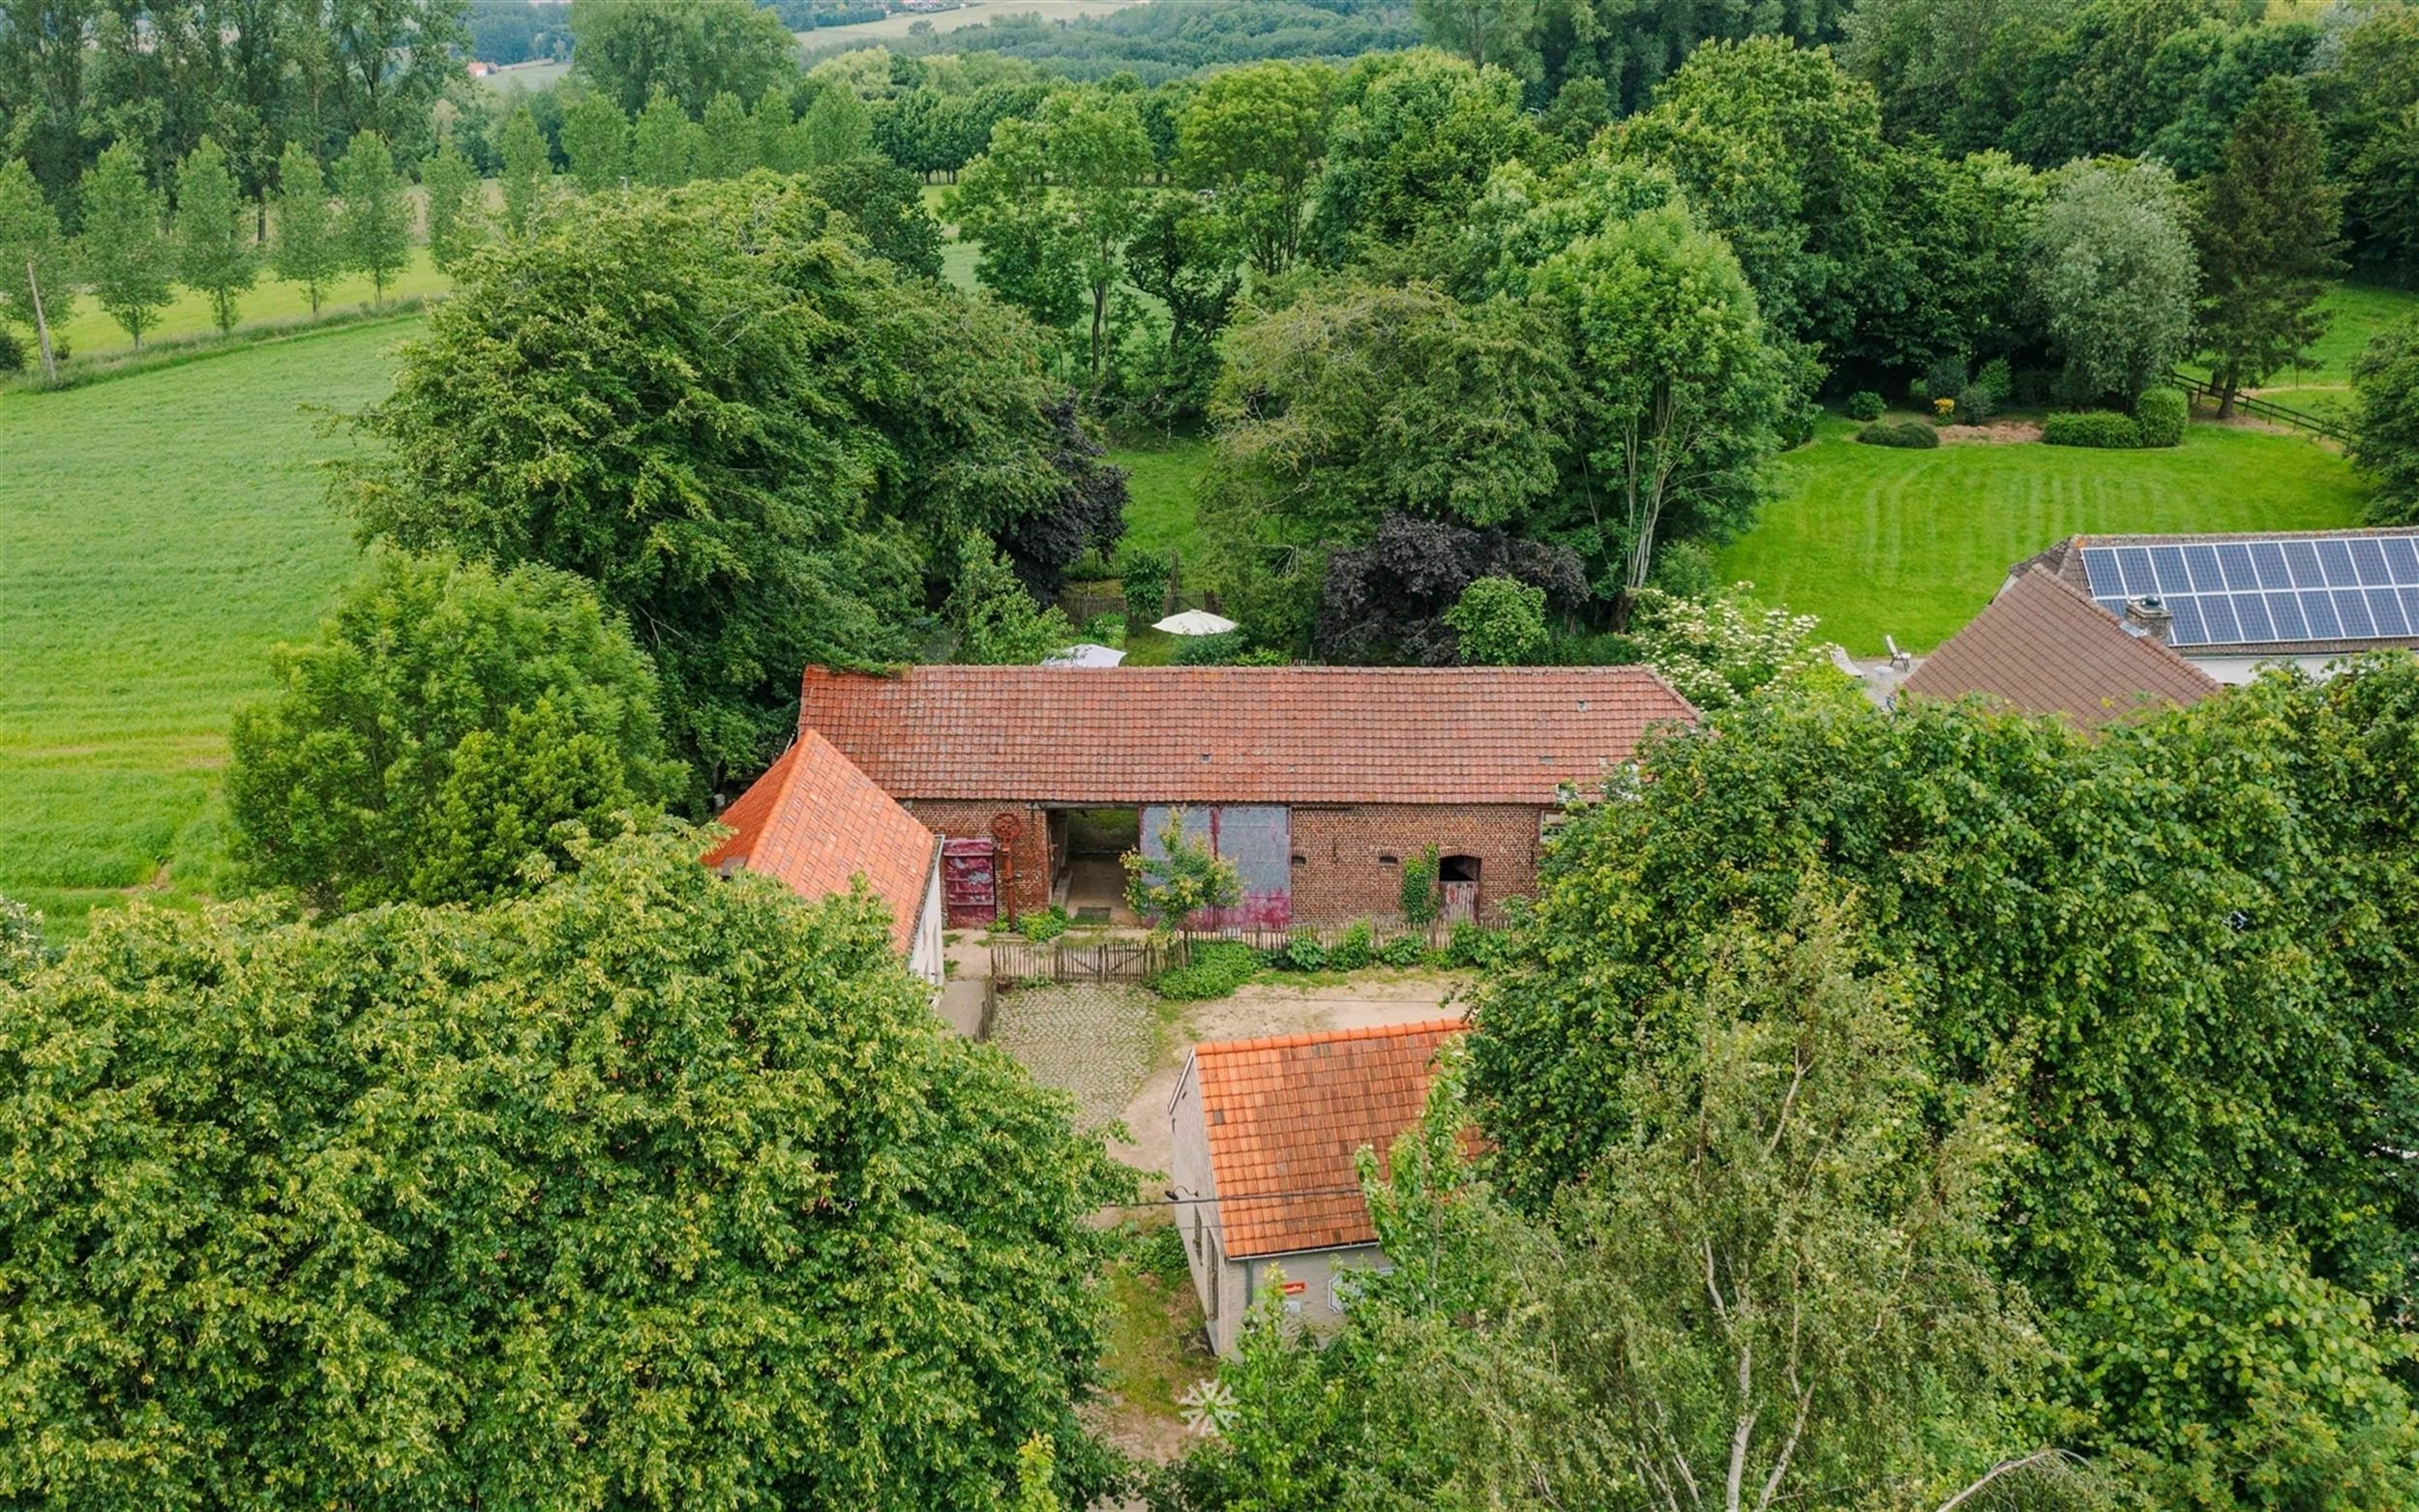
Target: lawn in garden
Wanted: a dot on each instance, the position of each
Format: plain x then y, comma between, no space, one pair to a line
1877,541
159,532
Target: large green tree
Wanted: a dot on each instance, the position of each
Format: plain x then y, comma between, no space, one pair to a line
426,743
2267,235
1257,136
214,251
124,250
652,1189
308,250
2142,935
1414,137
2386,426
596,139
835,127
1683,398
456,210
2114,275
375,226
690,49
665,145
33,259
748,434
1054,203
527,173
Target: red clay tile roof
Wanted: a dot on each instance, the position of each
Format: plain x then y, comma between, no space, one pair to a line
1239,734
816,822
2046,648
1287,1113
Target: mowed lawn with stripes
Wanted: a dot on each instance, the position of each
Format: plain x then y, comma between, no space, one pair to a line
159,533
1910,544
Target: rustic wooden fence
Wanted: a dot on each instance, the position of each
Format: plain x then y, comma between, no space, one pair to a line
2266,409
1126,958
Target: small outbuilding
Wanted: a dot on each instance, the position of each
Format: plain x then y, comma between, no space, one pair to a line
817,823
1265,1133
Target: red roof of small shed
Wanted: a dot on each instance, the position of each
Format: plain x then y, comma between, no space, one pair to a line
1239,734
816,822
1284,1117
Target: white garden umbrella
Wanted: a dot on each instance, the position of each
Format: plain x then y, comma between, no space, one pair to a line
1195,622
1085,653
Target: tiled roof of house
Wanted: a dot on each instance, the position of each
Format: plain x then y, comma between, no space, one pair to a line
1239,734
2045,649
1287,1113
816,822
2065,558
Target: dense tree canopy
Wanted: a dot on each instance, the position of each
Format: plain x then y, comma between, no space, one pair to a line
427,744
690,49
763,436
2266,230
651,1189
2114,274
2181,945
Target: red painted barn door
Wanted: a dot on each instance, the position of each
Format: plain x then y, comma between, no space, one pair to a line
969,883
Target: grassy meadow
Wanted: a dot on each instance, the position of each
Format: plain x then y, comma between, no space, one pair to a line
271,303
2355,313
157,533
1910,544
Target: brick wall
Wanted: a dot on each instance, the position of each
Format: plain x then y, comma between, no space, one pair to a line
1026,884
1342,875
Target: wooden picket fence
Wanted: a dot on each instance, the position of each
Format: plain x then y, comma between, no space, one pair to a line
1134,958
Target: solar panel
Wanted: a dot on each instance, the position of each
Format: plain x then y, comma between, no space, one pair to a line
2351,586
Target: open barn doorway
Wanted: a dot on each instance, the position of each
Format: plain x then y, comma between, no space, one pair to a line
1457,889
1092,880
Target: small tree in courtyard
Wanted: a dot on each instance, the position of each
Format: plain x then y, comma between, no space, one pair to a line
1169,888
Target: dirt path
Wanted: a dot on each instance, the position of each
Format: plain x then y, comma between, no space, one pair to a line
1266,1009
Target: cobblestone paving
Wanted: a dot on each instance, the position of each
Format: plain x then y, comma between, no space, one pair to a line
1091,1040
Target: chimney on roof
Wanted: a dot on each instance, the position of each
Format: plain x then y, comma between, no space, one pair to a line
2149,616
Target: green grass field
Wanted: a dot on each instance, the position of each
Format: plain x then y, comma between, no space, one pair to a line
272,302
1911,544
157,533
2355,313
1161,512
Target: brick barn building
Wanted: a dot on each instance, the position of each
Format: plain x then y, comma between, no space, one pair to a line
1317,782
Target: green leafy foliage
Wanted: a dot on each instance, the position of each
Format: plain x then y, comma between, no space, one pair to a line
2104,429
2385,379
1418,896
33,259
1214,969
23,948
124,252
1864,405
1414,137
374,226
214,250
528,174
2267,233
1143,578
307,251
596,140
1042,925
1184,878
997,620
570,1203
2114,272
1910,435
691,51
1257,135
429,743
2161,415
2142,936
1723,647
457,224
614,398
1354,949
1499,622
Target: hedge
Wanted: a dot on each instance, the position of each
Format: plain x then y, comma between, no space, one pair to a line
2102,429
2162,414
1864,405
1913,433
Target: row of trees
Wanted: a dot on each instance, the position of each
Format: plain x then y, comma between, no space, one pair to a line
1880,1104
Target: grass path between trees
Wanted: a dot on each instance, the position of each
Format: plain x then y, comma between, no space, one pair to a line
159,532
1876,541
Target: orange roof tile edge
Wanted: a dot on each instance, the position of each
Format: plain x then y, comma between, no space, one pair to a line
816,822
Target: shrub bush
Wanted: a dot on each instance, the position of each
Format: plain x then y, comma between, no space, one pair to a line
1472,945
1403,950
1419,887
1919,393
1864,405
2104,429
1912,434
1355,950
11,349
1976,404
1302,953
1142,576
1219,967
1996,380
1944,377
1042,925
1108,629
1219,651
2161,415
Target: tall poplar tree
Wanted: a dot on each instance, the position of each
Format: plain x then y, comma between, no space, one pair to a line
33,259
596,138
529,167
664,148
214,256
126,253
2268,235
450,182
837,126
375,227
306,251
729,140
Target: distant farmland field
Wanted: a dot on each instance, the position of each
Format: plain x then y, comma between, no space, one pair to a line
974,14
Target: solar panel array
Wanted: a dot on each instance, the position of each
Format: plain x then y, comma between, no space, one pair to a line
2255,592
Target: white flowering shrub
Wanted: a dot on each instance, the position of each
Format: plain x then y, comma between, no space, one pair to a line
1719,649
